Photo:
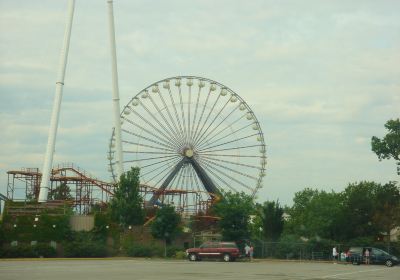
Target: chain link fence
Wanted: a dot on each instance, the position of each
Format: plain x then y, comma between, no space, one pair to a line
312,250
295,250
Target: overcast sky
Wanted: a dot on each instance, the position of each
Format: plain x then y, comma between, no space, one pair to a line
322,77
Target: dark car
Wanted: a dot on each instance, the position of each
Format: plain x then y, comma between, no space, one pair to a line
227,251
377,256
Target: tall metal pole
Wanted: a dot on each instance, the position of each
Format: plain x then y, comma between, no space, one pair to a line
48,160
115,92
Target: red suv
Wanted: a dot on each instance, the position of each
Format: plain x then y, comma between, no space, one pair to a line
227,251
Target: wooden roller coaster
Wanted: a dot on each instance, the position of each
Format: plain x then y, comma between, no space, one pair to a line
86,191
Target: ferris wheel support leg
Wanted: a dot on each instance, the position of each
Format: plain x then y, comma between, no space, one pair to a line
115,92
48,160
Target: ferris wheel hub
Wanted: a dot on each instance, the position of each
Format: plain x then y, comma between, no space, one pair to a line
188,153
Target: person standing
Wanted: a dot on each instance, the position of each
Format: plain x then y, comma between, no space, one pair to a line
367,255
334,254
247,250
251,252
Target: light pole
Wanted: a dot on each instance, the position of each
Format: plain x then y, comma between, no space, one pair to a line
261,241
165,244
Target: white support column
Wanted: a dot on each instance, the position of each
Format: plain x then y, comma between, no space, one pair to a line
115,92
48,160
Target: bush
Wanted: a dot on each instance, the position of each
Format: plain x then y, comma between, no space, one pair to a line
44,250
27,251
172,250
180,255
140,250
85,249
20,251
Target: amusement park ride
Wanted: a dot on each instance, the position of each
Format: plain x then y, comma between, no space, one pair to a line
192,138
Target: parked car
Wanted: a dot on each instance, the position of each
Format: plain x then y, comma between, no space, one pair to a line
377,256
227,251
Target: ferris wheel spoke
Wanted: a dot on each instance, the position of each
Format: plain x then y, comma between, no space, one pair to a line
147,146
209,169
185,178
193,185
157,175
182,113
228,142
229,176
148,131
202,113
148,152
190,179
201,135
197,134
234,148
173,172
211,137
167,162
147,138
188,106
153,126
195,114
169,187
152,115
196,180
212,161
227,155
229,134
171,130
177,130
206,138
176,181
181,133
146,159
232,162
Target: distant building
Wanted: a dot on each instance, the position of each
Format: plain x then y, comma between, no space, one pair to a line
286,217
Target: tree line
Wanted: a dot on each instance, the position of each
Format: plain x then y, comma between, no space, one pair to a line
363,210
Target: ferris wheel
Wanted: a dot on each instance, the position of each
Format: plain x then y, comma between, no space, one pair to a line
193,135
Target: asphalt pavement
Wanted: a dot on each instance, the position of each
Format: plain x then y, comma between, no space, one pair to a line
149,269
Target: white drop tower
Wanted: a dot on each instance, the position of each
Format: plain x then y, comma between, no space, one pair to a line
51,142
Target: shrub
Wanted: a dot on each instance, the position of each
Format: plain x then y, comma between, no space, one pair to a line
85,249
141,250
180,255
44,250
20,251
172,250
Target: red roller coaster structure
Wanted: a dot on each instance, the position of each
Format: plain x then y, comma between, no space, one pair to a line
87,191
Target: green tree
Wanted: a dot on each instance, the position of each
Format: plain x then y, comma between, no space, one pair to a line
315,214
272,220
61,192
387,207
358,207
166,224
389,146
127,204
234,209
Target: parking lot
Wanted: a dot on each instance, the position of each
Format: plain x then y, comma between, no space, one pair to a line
160,269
